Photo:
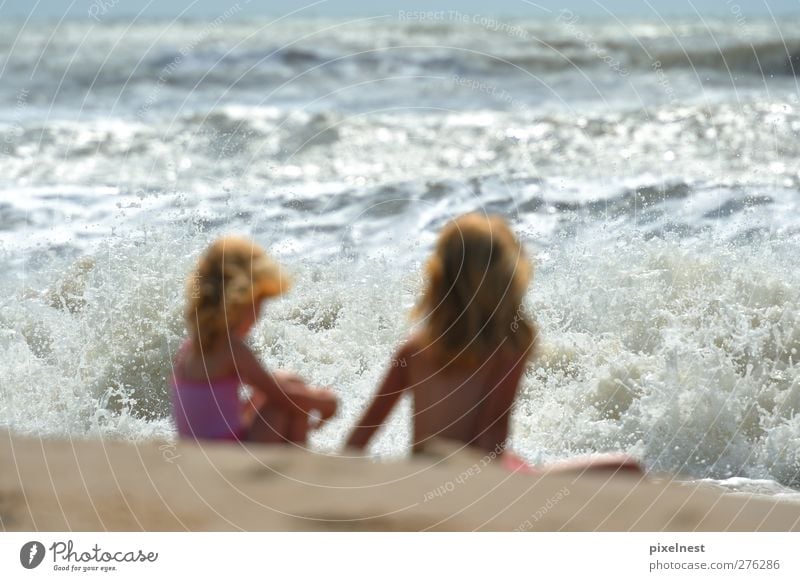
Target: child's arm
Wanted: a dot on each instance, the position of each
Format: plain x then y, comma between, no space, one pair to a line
393,386
292,395
496,408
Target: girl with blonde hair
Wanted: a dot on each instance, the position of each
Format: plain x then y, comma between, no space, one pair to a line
225,295
462,368
464,365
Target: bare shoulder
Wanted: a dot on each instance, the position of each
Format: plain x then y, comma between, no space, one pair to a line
211,363
187,363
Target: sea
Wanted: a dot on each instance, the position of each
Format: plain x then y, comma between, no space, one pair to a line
650,167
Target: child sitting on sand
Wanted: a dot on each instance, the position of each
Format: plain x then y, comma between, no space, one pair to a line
464,366
225,294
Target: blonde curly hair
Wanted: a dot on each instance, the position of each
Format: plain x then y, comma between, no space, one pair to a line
232,276
472,302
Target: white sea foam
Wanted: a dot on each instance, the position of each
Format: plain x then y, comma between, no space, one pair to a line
683,353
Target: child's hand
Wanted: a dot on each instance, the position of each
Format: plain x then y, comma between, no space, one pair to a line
288,378
320,403
325,403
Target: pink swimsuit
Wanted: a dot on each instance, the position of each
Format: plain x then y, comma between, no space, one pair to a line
207,409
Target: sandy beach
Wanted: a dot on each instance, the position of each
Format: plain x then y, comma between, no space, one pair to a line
93,485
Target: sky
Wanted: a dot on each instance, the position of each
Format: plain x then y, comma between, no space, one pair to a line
50,9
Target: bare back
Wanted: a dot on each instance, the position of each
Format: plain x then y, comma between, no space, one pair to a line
472,406
209,365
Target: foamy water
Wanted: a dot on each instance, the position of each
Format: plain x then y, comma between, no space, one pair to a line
660,204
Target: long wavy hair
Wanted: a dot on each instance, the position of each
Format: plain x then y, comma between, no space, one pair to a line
232,275
472,303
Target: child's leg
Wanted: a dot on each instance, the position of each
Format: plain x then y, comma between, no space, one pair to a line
251,407
269,426
614,463
298,429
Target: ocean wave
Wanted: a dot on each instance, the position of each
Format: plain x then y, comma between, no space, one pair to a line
749,142
764,59
237,56
687,356
684,354
273,65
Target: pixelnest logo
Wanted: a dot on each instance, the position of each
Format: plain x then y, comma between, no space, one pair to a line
31,554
